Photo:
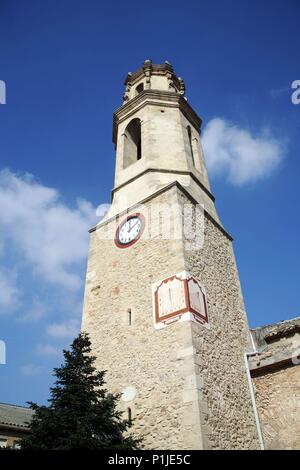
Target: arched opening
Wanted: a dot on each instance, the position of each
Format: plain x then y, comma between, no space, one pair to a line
132,143
139,88
190,143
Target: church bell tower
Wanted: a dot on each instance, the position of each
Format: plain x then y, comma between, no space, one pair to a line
163,304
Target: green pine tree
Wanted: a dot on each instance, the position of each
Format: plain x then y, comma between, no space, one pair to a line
81,413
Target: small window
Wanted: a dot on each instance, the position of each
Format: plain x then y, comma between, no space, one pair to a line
129,317
132,143
139,88
190,143
129,414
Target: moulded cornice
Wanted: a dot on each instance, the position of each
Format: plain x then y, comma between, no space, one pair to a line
155,98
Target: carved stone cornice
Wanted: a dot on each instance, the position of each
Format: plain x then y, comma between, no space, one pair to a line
154,69
155,98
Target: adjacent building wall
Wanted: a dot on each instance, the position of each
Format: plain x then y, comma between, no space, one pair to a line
278,402
276,377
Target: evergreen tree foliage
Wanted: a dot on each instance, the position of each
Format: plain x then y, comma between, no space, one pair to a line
81,413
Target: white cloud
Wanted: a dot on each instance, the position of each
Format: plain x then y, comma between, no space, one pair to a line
277,92
43,246
44,231
67,329
48,350
9,292
30,370
34,313
242,156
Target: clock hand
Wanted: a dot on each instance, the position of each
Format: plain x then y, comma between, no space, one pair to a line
133,225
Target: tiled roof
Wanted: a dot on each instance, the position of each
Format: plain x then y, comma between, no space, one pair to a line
13,415
276,329
277,345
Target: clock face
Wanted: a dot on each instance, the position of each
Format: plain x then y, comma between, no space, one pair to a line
130,231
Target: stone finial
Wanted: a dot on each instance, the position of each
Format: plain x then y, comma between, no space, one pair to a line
181,86
156,76
147,71
127,92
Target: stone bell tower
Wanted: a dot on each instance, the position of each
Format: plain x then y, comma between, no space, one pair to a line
163,304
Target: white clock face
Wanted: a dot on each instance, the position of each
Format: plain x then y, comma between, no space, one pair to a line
130,230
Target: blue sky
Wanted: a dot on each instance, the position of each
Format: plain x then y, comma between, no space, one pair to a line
64,63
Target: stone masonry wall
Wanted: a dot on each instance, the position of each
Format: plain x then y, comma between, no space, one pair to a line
278,402
190,381
227,412
152,361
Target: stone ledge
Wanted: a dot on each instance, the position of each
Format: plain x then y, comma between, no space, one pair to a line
161,170
259,364
157,193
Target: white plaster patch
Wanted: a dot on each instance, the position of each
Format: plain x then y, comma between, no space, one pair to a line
128,393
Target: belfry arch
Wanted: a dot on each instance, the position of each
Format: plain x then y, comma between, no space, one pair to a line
132,143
